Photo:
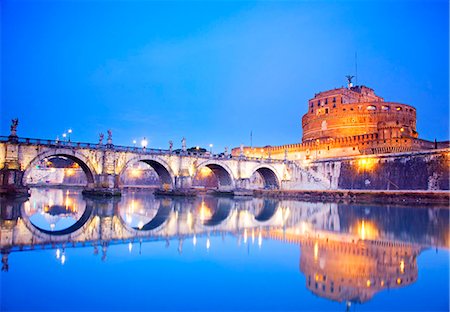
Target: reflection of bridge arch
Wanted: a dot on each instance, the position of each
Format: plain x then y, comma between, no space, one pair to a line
162,169
73,155
161,217
63,235
221,212
222,172
269,175
268,210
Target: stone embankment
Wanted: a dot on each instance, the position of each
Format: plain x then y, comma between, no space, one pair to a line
414,197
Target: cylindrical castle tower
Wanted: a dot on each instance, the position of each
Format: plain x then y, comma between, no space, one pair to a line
352,111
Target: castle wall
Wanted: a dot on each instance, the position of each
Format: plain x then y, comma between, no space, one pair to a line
405,171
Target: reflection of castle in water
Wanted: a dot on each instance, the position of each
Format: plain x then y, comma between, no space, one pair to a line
349,271
347,253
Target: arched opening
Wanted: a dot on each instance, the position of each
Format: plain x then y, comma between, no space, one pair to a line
213,176
58,169
264,178
146,174
205,179
56,211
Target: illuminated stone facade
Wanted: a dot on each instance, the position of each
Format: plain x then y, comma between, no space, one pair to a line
349,121
347,112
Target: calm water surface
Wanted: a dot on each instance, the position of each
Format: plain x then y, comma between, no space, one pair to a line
62,251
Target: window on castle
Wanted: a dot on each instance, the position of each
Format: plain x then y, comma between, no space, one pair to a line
318,103
312,105
334,105
326,101
326,110
334,100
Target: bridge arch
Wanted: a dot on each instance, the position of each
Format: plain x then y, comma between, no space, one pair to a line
269,175
161,168
84,163
222,172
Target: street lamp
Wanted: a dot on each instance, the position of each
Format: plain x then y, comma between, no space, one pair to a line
134,143
144,142
210,148
64,136
69,132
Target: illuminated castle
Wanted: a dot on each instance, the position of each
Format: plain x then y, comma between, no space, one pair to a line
349,121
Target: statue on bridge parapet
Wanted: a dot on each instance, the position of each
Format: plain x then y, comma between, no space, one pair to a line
100,139
241,154
170,146
109,140
14,124
183,144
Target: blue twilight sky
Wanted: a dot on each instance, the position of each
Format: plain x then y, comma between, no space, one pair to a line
213,71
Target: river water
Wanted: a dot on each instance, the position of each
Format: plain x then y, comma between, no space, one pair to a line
63,251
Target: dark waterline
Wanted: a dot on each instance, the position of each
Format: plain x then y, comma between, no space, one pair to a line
147,253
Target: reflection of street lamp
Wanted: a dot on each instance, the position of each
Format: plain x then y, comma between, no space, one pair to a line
210,148
144,142
317,146
69,132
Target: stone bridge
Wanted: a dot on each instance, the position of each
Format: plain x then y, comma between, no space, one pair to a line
104,164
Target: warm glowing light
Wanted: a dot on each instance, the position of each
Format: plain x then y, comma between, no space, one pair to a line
58,253
363,231
205,172
402,266
367,230
205,212
316,250
135,173
402,129
368,283
70,172
140,225
399,281
189,220
366,163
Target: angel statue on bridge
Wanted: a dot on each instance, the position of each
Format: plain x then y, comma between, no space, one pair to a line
14,124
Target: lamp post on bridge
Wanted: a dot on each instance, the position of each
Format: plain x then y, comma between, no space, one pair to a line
144,143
